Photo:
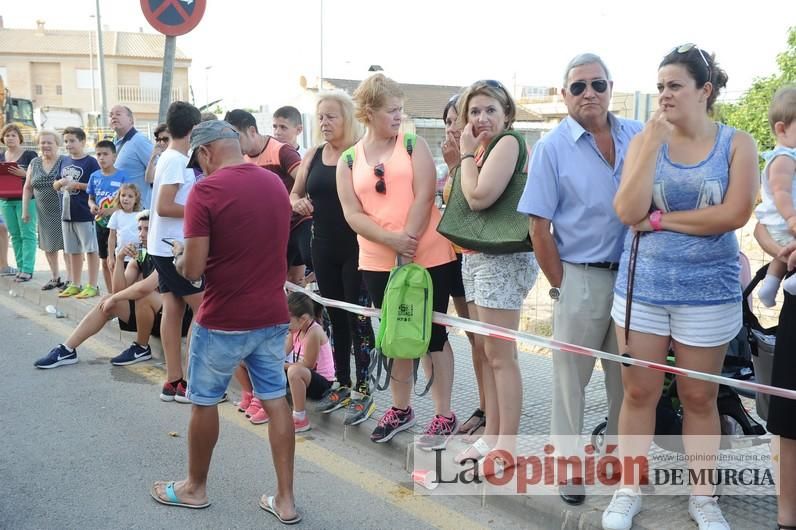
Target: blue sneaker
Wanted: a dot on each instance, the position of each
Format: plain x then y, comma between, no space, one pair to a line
57,357
134,354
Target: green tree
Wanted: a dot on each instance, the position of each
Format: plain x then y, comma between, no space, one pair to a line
750,113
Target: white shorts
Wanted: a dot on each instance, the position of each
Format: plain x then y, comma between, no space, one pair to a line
700,326
782,237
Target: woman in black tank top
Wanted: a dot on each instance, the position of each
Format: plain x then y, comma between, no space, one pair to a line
335,250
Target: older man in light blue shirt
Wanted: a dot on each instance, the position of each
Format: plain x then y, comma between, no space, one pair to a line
133,150
573,177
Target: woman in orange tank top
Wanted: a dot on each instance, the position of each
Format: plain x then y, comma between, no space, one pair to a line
388,200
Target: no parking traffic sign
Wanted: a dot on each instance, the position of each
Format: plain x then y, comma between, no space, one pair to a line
173,17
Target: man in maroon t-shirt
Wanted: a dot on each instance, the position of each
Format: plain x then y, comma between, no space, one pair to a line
243,316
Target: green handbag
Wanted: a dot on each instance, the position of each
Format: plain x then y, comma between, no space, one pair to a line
499,229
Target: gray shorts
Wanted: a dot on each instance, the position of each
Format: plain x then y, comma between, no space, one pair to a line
498,281
80,237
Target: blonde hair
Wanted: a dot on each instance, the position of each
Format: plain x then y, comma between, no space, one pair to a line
783,106
372,94
134,189
351,129
47,132
489,88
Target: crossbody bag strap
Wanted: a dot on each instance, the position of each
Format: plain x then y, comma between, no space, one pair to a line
631,281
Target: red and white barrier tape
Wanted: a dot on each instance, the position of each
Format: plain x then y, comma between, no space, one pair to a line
490,330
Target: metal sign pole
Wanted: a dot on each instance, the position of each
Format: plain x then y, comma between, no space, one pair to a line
168,71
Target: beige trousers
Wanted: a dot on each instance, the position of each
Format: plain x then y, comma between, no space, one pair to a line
582,316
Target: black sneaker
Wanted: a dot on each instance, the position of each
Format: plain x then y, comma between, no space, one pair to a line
363,387
54,283
58,356
393,422
334,399
134,354
359,410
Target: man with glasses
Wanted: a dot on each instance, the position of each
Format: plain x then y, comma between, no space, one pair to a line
572,180
162,139
133,151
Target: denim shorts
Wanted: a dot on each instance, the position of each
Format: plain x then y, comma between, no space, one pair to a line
216,353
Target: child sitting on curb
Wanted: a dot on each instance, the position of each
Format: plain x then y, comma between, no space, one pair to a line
311,371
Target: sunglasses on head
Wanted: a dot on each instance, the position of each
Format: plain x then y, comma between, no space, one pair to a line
687,47
494,84
378,170
579,87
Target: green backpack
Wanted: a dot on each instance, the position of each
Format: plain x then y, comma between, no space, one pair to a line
405,324
410,140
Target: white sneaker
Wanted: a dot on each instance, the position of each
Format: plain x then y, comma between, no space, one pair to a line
619,514
706,513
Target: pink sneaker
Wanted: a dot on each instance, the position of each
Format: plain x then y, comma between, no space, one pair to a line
245,401
253,408
260,417
302,425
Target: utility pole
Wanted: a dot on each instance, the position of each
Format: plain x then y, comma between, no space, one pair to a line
207,86
91,70
320,80
101,55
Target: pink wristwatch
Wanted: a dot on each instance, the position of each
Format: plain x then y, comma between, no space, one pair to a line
655,220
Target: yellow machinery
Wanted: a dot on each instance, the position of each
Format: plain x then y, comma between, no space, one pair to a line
17,110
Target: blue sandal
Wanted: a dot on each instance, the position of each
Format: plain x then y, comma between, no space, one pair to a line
172,499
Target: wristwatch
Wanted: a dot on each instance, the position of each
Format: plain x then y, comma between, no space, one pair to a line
555,293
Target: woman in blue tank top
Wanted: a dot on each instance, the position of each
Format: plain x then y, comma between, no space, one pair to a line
688,184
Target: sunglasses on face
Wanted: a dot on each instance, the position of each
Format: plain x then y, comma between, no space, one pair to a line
381,187
164,139
685,48
579,87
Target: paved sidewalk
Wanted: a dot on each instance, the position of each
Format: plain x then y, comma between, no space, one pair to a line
743,512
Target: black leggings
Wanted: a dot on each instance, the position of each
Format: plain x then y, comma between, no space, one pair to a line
441,278
336,270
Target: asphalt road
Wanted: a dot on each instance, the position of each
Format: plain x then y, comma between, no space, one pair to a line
82,444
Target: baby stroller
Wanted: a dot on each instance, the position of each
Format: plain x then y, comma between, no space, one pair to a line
761,344
735,420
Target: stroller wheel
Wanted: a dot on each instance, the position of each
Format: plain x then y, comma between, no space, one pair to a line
598,437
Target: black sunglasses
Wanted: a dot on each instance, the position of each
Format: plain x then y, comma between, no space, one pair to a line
162,139
378,170
579,87
494,84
